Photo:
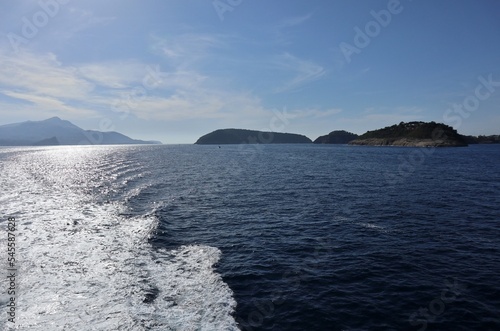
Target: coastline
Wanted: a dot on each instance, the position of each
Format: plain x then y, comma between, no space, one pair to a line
406,142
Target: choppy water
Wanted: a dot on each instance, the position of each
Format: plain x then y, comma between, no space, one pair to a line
268,237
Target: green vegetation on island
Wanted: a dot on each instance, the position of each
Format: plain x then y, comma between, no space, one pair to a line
336,137
418,134
241,136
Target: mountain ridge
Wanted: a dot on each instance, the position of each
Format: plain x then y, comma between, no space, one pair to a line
56,131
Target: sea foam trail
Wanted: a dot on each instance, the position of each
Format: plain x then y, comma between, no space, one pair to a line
81,266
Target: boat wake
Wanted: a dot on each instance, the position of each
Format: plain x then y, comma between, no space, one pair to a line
84,266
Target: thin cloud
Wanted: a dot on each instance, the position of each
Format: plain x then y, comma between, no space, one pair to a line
313,113
41,75
204,104
85,19
294,21
280,31
182,92
186,50
117,74
42,104
48,86
304,72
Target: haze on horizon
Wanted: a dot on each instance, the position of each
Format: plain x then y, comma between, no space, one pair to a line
176,70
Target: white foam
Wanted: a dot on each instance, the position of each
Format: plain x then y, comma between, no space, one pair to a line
82,267
371,226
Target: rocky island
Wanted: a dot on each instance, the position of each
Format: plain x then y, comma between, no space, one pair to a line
413,134
241,136
337,137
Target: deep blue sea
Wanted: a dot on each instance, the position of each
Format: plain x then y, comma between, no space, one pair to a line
252,237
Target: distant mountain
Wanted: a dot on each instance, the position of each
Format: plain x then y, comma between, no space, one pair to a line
241,136
47,142
336,137
418,134
55,131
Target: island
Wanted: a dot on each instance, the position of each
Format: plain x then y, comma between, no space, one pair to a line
337,137
413,134
242,136
55,131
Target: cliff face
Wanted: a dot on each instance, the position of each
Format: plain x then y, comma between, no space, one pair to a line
413,134
336,137
240,136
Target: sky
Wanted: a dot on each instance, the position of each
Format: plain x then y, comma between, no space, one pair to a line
174,70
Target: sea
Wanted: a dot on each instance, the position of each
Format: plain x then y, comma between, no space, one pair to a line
249,237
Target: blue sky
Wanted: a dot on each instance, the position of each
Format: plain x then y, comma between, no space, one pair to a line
173,70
